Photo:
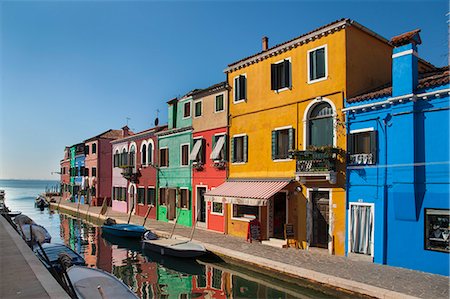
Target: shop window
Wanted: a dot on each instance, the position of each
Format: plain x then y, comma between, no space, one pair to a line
282,143
198,109
219,107
151,200
185,155
164,157
317,64
187,110
240,211
362,147
217,207
141,195
239,149
240,88
437,230
162,196
183,201
281,75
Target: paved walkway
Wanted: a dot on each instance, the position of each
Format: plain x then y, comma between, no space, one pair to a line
22,275
359,276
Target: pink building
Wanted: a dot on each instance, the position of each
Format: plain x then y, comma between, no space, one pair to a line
65,174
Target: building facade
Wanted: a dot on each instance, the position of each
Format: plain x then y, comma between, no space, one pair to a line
65,174
398,169
287,133
209,154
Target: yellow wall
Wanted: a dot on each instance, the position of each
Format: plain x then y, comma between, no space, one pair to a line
209,118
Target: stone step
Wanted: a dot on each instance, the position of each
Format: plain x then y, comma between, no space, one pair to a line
278,243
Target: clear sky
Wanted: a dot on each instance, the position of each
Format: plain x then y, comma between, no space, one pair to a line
70,70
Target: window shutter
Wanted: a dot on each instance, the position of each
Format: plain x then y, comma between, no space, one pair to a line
245,148
291,139
374,146
225,147
203,151
178,197
350,141
237,89
273,69
287,73
233,159
242,87
274,145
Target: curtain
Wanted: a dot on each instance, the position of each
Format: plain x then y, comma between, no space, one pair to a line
361,229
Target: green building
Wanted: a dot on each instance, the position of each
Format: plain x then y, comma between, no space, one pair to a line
175,169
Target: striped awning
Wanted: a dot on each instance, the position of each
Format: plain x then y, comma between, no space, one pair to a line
250,193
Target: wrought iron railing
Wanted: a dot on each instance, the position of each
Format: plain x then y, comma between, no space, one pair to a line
131,173
317,160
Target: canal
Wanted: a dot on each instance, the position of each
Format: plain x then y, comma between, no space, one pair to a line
151,275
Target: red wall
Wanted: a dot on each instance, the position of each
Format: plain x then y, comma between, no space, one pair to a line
211,177
104,170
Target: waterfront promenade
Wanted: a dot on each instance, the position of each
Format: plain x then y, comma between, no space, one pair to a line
375,280
22,275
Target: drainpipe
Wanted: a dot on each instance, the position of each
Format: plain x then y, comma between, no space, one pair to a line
385,189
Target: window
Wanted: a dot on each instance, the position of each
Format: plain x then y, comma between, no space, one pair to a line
219,103
282,143
116,159
184,154
198,109
437,230
94,171
198,151
94,148
217,207
240,88
144,154
162,196
132,155
151,200
362,147
120,193
219,149
141,195
164,157
123,194
281,75
321,125
239,147
216,279
317,64
124,158
150,153
187,110
86,172
86,149
184,199
245,211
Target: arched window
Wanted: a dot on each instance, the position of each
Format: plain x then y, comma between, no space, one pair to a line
116,158
150,152
124,157
144,154
320,125
132,155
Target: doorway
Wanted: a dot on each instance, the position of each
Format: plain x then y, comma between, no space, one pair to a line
320,201
201,206
279,214
131,199
361,228
171,204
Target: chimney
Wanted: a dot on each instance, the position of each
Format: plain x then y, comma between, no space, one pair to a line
404,63
125,131
265,43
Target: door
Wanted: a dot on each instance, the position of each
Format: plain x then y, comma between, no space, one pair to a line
321,216
131,198
201,205
171,204
361,228
279,214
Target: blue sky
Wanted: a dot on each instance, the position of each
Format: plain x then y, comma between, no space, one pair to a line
70,70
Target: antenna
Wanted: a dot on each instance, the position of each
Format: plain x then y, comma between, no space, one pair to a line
127,118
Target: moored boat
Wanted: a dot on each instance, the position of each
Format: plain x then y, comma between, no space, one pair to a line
175,247
123,229
53,252
35,233
94,283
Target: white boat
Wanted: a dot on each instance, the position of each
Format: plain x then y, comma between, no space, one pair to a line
175,247
93,283
39,233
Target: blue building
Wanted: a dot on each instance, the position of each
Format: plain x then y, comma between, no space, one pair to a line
398,165
79,185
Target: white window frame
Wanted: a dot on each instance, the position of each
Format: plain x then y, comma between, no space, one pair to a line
137,193
372,210
371,129
306,117
190,109
215,102
201,110
159,153
144,142
181,154
234,89
184,188
281,129
150,141
239,163
146,193
326,64
290,75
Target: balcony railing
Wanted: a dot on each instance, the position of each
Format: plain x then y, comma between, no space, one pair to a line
316,162
131,173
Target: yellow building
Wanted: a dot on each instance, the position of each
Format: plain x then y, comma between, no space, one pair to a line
287,132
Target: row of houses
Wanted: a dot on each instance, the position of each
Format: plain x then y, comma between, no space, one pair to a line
340,133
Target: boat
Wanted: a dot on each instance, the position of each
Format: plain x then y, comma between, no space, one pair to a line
123,229
38,233
41,202
53,252
13,213
2,194
174,247
23,219
94,283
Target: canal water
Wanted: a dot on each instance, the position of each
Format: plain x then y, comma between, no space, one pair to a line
151,275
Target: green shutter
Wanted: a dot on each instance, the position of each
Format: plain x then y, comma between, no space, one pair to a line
287,73
237,89
232,158
274,145
274,76
242,87
374,146
245,148
225,146
350,141
291,139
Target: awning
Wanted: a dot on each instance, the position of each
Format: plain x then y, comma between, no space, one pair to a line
216,151
195,150
250,193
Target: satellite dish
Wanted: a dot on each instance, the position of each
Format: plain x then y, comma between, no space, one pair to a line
156,122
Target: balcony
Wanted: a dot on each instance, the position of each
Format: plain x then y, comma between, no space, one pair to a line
317,164
130,173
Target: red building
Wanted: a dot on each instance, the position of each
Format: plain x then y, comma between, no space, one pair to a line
65,174
209,154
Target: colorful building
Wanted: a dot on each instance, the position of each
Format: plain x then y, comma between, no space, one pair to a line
79,187
209,153
65,174
175,168
98,168
287,132
398,168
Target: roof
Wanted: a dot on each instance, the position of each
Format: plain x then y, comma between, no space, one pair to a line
436,77
110,134
246,192
210,90
406,38
142,134
304,38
